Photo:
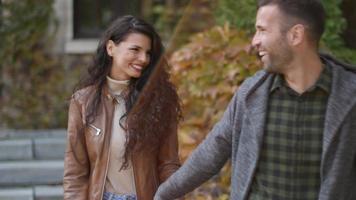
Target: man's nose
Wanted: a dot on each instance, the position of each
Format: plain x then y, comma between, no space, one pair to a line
255,41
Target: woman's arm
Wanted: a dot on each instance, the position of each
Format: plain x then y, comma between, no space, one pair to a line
168,159
76,163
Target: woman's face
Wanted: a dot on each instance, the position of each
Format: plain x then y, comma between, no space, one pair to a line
130,56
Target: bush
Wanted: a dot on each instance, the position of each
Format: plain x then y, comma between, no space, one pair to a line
240,14
33,88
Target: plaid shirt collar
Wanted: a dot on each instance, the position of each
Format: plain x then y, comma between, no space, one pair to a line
323,82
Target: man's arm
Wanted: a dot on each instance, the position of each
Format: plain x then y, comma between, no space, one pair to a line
205,161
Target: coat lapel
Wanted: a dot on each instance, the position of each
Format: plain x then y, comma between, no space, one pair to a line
341,101
256,105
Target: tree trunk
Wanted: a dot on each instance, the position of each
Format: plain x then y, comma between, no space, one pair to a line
146,7
348,8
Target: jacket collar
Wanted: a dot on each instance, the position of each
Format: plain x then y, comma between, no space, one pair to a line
107,94
323,82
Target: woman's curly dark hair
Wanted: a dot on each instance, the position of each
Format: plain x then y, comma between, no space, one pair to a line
151,101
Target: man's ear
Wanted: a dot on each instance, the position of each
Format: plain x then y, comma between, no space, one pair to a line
110,47
296,34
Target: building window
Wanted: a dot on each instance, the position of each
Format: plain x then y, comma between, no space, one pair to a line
85,20
92,17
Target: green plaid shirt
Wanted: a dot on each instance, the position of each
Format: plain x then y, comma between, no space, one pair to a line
289,164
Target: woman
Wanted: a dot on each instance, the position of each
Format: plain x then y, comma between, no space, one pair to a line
122,140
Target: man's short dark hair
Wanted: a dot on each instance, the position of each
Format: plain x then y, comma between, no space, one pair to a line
309,12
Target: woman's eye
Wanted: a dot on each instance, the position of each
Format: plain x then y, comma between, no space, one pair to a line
134,49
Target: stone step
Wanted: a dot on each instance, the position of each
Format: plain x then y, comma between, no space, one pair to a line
16,150
16,194
29,134
32,149
25,173
49,148
32,193
48,193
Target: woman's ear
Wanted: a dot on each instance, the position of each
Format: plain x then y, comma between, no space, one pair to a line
110,47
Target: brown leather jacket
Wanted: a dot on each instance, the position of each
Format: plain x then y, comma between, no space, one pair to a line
86,158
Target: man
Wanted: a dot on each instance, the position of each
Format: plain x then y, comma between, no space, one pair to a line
290,130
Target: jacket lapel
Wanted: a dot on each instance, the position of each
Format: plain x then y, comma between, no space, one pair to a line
256,106
341,101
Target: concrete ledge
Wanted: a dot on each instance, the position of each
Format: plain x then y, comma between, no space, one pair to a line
48,192
27,134
16,194
81,46
49,148
16,150
32,149
32,193
31,173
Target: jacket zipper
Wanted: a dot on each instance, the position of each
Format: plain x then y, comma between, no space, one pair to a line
98,131
107,162
106,170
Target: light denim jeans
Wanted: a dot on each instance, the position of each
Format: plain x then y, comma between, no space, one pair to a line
112,196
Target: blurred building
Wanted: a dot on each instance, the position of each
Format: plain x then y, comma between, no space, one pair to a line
82,21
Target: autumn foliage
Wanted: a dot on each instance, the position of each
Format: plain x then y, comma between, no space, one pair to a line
207,71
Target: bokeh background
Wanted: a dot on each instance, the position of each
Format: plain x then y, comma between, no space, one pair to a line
47,45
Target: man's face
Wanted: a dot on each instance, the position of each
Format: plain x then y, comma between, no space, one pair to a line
269,41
